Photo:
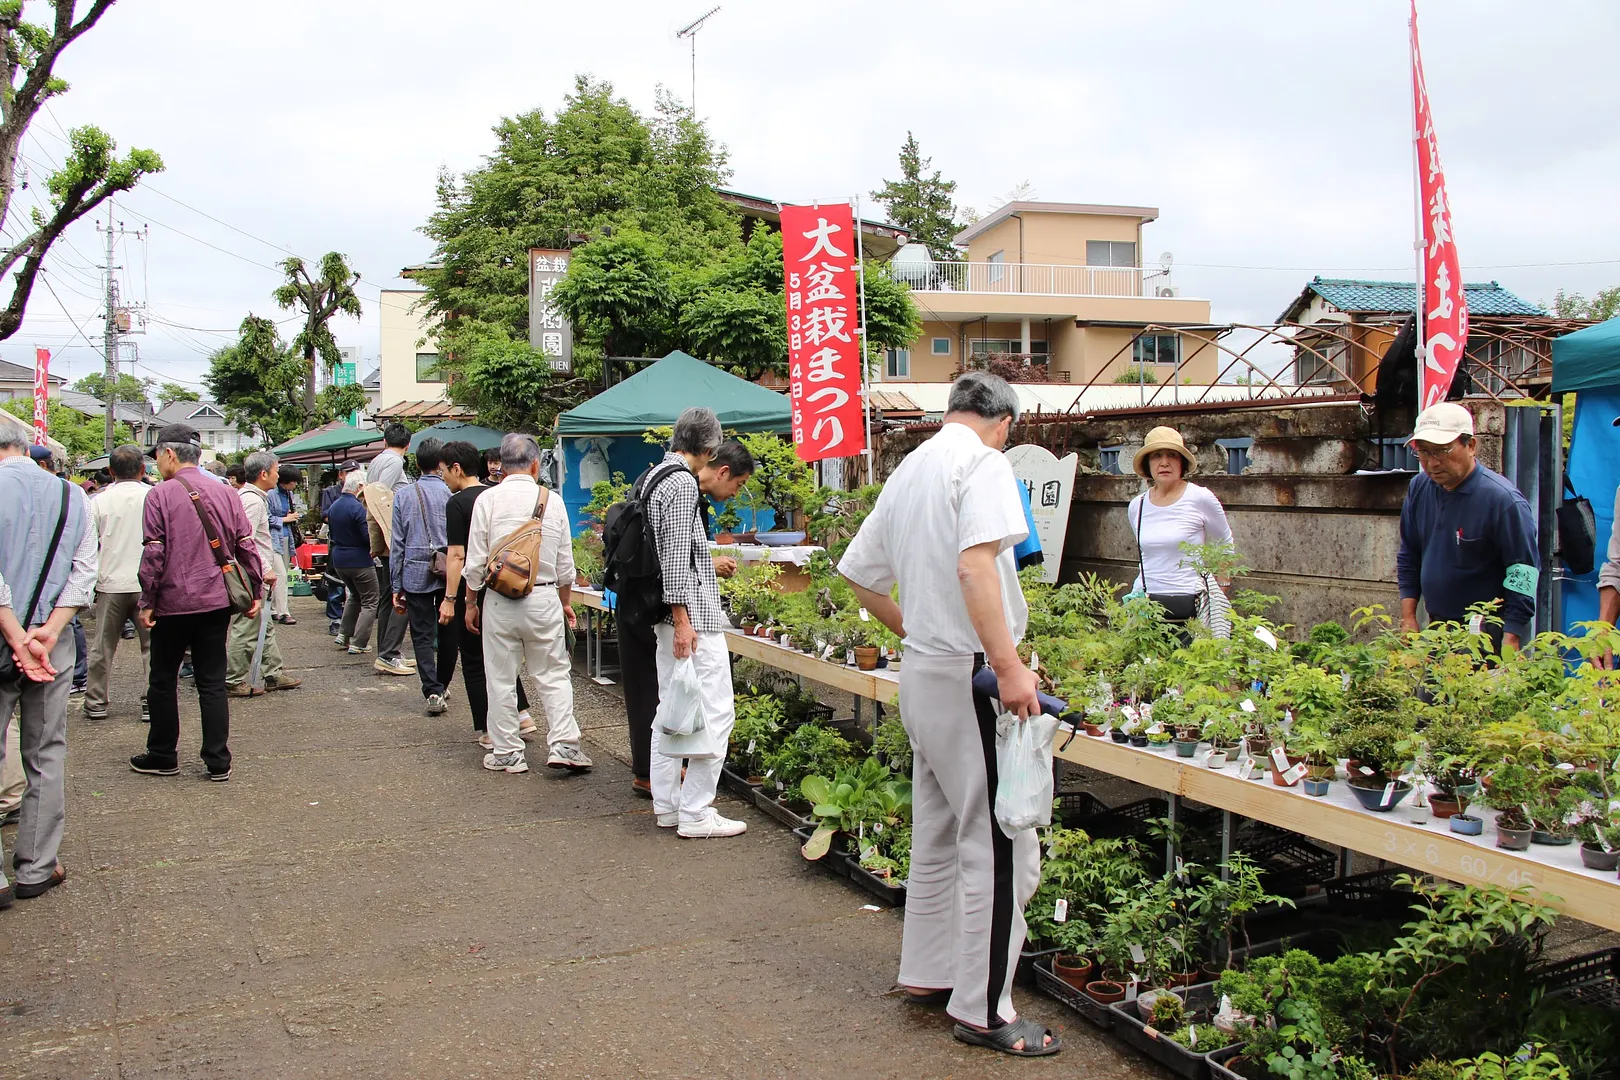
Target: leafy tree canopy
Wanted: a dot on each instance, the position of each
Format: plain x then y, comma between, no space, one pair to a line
130,389
169,393
81,434
260,383
920,202
318,296
1572,305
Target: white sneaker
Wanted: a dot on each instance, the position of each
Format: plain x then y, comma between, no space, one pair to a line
568,756
526,726
436,705
669,821
359,650
394,666
485,741
512,762
710,827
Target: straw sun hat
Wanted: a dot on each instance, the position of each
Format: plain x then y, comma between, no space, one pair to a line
1164,438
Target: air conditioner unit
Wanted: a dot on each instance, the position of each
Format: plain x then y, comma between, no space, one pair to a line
1166,291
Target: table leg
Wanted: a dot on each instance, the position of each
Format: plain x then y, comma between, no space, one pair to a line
1170,844
1226,844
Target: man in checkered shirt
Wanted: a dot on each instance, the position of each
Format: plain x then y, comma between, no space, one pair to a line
695,626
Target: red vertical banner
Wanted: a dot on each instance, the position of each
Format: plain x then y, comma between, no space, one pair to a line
42,394
823,319
1445,309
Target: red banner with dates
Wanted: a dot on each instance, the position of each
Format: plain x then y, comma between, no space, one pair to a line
42,395
823,319
1445,309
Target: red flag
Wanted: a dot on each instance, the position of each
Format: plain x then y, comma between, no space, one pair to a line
42,395
824,343
1444,312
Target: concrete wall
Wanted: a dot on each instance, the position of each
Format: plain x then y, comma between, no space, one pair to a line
403,324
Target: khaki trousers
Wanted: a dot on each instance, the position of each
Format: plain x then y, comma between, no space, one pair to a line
112,611
239,652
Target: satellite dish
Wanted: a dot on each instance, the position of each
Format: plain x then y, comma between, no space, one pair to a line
1166,261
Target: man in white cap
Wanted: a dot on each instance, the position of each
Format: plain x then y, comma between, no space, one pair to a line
1467,534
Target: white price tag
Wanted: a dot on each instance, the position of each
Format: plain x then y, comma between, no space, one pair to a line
1137,955
1344,680
1192,1036
1181,870
1279,758
1060,911
1128,712
826,652
1389,794
1266,636
1034,660
1476,624
768,773
864,616
1247,706
1246,770
1363,770
1131,989
1295,775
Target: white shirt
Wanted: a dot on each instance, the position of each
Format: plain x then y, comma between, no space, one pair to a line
497,514
117,514
1195,518
950,494
256,505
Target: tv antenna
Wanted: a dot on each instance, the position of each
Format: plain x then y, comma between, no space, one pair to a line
689,32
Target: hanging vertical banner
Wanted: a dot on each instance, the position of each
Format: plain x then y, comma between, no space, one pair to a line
824,346
548,330
1444,308
42,395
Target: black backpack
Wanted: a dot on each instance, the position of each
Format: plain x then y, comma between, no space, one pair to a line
630,552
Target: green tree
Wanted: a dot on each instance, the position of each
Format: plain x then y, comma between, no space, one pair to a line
260,383
1572,305
920,202
130,389
318,297
506,382
169,393
92,171
617,293
81,434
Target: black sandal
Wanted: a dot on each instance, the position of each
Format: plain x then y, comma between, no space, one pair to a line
930,997
1002,1038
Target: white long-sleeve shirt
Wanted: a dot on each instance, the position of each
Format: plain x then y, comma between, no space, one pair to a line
497,514
1195,518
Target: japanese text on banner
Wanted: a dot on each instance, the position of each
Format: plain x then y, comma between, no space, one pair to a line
42,392
824,342
1445,309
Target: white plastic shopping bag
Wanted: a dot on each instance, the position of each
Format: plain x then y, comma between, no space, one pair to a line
1024,771
680,712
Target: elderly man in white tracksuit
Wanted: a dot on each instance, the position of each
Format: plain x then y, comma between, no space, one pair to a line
533,628
944,530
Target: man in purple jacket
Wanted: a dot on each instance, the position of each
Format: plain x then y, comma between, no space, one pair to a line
184,602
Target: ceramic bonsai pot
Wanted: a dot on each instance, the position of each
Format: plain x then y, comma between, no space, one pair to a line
1317,787
1595,858
1074,970
1370,794
866,657
1511,839
1216,759
1464,825
1185,748
1138,741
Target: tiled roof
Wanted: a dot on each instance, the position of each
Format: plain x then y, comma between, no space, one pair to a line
437,409
1397,297
10,372
374,380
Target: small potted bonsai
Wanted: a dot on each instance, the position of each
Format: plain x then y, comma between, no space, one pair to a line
1375,760
726,521
1223,734
1510,790
1600,842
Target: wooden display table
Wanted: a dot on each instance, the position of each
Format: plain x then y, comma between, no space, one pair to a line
1406,835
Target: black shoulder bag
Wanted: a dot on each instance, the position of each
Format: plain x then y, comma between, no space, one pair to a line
1577,532
10,673
1178,607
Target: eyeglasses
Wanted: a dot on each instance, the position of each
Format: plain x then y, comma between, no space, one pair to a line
1435,452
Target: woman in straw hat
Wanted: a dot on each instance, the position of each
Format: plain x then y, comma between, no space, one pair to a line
1170,513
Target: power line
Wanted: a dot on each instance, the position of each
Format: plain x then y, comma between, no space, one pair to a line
65,311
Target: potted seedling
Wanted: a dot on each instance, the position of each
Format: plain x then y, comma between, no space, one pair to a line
1511,788
1600,843
1374,766
726,521
1223,734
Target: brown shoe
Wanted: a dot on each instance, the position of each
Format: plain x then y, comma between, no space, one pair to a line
40,888
641,787
282,682
243,690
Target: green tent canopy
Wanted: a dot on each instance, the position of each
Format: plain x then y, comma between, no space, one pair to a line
1587,359
482,438
658,393
330,438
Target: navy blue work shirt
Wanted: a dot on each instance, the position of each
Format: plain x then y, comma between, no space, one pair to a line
1464,547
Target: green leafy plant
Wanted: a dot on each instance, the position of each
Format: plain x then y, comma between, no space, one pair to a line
868,797
809,749
604,493
780,480
759,729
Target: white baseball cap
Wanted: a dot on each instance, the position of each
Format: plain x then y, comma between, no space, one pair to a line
1443,423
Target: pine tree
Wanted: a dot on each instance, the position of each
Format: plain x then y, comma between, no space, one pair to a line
921,204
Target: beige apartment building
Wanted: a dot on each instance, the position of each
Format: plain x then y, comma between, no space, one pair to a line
407,353
1059,284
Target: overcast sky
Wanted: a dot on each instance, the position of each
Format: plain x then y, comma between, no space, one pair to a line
1272,136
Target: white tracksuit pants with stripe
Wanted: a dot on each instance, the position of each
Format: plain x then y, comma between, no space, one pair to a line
969,882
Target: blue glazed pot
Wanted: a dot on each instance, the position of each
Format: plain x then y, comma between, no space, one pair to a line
1372,798
1185,749
1317,787
1465,825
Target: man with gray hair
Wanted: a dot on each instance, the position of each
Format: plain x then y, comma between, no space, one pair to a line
184,601
694,629
944,530
535,627
47,572
259,474
117,513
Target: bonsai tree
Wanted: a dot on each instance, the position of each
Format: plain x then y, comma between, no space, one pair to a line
1376,746
780,479
604,493
1511,789
726,519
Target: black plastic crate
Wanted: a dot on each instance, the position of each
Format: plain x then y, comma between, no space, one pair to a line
1027,959
887,891
737,784
1131,819
766,800
1593,979
1075,807
1374,894
1220,1062
1078,1001
1184,1061
1293,865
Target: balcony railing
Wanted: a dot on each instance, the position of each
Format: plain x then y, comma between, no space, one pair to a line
1033,279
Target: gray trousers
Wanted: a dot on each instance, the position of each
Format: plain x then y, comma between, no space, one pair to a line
360,609
43,730
391,625
969,882
112,611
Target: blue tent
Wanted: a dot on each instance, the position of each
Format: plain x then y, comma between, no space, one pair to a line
1588,362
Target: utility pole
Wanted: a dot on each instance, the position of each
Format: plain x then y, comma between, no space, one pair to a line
118,325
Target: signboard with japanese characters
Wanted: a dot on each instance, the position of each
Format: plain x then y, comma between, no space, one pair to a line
42,395
1445,310
824,342
548,330
1049,480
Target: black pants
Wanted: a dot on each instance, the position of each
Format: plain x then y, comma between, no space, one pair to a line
204,635
638,668
422,609
390,625
454,639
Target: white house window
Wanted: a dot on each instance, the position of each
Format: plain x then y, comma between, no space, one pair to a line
998,267
897,364
426,363
941,346
1110,253
1156,349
